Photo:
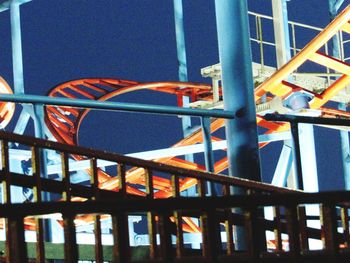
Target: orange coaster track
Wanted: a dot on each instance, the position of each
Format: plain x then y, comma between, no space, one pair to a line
64,122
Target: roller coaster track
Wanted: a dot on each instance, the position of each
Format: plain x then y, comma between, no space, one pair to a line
64,123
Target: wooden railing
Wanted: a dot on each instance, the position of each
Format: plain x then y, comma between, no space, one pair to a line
175,180
220,217
164,217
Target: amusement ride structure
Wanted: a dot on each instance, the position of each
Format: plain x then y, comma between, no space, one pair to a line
202,199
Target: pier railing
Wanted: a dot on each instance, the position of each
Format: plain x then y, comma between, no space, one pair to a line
216,219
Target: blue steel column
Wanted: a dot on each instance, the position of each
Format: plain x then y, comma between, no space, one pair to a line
334,6
208,152
181,57
17,61
39,124
208,149
238,91
306,131
345,150
18,79
238,95
281,31
283,55
17,67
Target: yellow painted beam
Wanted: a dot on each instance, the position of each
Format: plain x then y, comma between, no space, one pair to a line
330,92
305,53
331,62
346,28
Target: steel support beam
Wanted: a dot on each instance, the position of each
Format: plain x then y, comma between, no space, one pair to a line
17,59
283,55
281,31
180,40
39,128
208,152
334,6
284,165
22,122
306,132
238,94
308,157
297,156
238,91
181,57
345,151
208,149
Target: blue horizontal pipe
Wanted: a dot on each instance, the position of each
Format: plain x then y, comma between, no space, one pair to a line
116,106
307,119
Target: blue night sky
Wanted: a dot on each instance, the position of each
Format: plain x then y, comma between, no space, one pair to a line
127,39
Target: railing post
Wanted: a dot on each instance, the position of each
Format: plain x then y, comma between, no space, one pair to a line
253,233
228,223
329,228
16,247
211,235
304,242
165,237
97,218
344,214
120,231
66,194
70,242
293,231
122,180
175,186
6,175
277,228
37,192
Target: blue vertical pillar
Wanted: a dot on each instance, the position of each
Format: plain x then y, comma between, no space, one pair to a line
208,153
345,151
208,149
17,61
334,6
238,96
283,55
238,91
180,40
181,57
281,31
39,126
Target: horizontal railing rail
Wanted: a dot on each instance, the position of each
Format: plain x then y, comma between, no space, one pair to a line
125,160
17,221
